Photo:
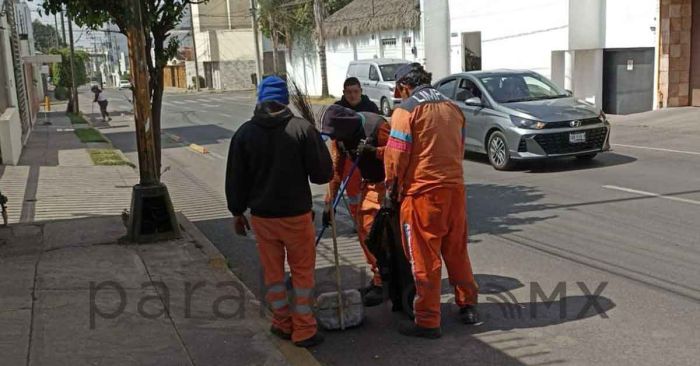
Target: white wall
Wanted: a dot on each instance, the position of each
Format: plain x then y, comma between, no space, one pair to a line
10,136
436,28
230,45
586,24
515,34
588,76
628,23
305,70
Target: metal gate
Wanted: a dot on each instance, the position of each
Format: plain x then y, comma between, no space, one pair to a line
628,80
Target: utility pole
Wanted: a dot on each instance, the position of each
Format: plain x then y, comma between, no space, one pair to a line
194,49
253,15
228,13
74,89
152,216
63,27
55,22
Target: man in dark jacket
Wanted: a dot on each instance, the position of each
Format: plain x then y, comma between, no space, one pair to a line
271,160
354,99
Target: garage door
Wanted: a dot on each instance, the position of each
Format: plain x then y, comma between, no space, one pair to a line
628,80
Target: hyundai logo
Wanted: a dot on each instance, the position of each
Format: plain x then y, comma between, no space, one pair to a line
575,123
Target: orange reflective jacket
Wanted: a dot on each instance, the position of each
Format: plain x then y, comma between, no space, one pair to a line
426,143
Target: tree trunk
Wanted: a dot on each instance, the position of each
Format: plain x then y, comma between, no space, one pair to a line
321,44
275,46
156,106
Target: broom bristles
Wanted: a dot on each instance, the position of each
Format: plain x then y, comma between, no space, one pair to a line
302,103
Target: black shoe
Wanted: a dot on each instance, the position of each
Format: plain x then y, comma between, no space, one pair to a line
469,315
310,342
373,296
280,333
412,330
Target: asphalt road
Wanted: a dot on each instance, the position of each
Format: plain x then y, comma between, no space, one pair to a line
580,263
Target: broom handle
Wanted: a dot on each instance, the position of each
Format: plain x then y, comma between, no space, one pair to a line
341,310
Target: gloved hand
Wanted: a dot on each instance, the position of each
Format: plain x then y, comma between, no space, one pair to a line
326,218
365,149
240,225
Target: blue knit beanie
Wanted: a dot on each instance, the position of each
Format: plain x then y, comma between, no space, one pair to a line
273,88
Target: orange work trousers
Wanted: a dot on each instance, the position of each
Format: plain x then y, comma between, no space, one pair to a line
353,189
292,237
434,225
372,194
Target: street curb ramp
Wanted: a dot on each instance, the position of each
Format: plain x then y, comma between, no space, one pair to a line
296,356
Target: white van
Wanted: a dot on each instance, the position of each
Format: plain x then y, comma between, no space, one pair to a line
377,79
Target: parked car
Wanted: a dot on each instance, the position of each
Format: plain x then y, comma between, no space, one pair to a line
521,115
377,79
124,84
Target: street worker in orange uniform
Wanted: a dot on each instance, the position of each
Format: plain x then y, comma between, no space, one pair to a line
423,160
364,135
271,160
358,102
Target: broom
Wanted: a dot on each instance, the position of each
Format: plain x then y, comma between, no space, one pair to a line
302,103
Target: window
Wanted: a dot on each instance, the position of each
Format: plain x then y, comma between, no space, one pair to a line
373,73
511,88
388,71
389,42
448,88
467,89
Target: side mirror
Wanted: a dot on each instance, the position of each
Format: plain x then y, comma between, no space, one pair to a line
474,101
569,93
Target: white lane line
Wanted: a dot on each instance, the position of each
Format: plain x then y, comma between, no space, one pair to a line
658,149
177,102
222,114
205,105
651,194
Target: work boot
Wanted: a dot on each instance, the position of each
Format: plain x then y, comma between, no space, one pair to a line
280,333
373,296
469,315
413,330
315,340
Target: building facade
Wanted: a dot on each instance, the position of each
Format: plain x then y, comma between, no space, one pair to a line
624,56
225,45
364,29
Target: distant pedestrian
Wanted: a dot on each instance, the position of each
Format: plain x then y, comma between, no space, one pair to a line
102,101
271,160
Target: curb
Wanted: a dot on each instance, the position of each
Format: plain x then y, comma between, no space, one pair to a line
294,355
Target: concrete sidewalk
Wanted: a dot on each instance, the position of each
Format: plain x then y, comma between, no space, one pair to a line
73,295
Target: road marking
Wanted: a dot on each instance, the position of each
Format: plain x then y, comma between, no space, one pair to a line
177,102
205,105
651,194
658,149
222,114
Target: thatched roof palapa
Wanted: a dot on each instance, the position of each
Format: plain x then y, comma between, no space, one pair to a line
359,18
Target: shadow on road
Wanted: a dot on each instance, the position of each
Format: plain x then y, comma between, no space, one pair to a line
200,135
500,209
604,160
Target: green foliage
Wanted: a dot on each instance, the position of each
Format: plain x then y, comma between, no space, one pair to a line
62,72
110,157
77,119
89,135
294,23
45,37
60,93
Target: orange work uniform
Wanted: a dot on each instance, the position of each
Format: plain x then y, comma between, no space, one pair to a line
271,161
370,194
424,159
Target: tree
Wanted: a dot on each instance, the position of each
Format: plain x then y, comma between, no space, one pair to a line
159,18
61,71
291,20
46,37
